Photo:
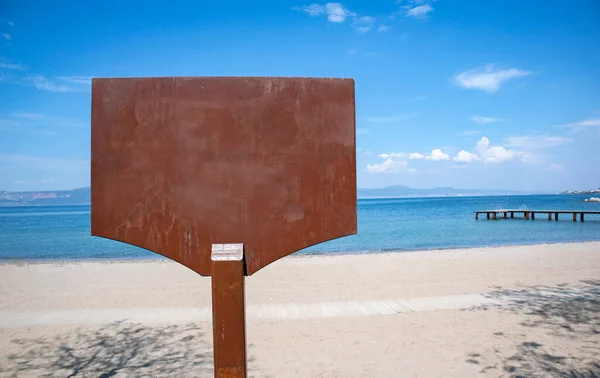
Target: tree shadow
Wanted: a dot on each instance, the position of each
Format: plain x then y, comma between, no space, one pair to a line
564,311
119,348
532,361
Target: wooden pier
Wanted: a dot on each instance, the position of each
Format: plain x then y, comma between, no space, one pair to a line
530,214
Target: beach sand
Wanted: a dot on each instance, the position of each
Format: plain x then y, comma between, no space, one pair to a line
489,312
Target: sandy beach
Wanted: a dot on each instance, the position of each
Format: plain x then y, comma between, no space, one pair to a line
489,312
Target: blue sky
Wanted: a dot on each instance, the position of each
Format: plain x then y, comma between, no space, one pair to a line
500,94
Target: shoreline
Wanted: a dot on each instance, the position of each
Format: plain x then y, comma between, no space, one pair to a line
294,256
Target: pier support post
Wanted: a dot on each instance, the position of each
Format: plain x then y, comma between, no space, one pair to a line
505,213
476,216
512,214
532,216
526,214
581,217
549,216
488,215
494,215
574,217
555,216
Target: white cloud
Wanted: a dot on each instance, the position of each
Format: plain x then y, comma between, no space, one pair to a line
536,141
487,79
420,11
493,154
43,84
416,156
389,165
57,84
351,52
382,28
19,182
6,36
312,9
465,157
395,160
438,155
471,132
8,64
584,124
82,80
484,120
399,155
73,83
48,181
335,12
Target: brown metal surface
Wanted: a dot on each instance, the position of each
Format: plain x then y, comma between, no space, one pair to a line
181,163
229,328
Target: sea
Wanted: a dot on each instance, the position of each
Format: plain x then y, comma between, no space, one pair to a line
384,224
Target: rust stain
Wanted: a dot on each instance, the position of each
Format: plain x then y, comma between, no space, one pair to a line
181,163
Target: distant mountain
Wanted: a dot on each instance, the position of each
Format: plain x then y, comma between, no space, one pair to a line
81,196
404,191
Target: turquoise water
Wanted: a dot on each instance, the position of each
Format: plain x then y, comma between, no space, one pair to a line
63,232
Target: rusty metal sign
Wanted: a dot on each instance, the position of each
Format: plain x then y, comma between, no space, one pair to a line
179,164
222,174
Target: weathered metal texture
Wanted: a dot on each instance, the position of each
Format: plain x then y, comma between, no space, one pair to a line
179,164
228,307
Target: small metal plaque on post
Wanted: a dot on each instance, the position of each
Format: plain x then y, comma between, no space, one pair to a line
182,165
227,252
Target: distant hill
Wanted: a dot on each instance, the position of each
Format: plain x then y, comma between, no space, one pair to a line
81,196
404,191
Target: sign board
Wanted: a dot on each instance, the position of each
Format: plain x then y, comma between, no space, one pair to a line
180,164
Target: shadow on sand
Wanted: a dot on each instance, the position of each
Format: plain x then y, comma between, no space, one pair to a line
563,311
119,348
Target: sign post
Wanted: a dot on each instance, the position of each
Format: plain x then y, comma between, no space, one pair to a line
224,175
228,306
